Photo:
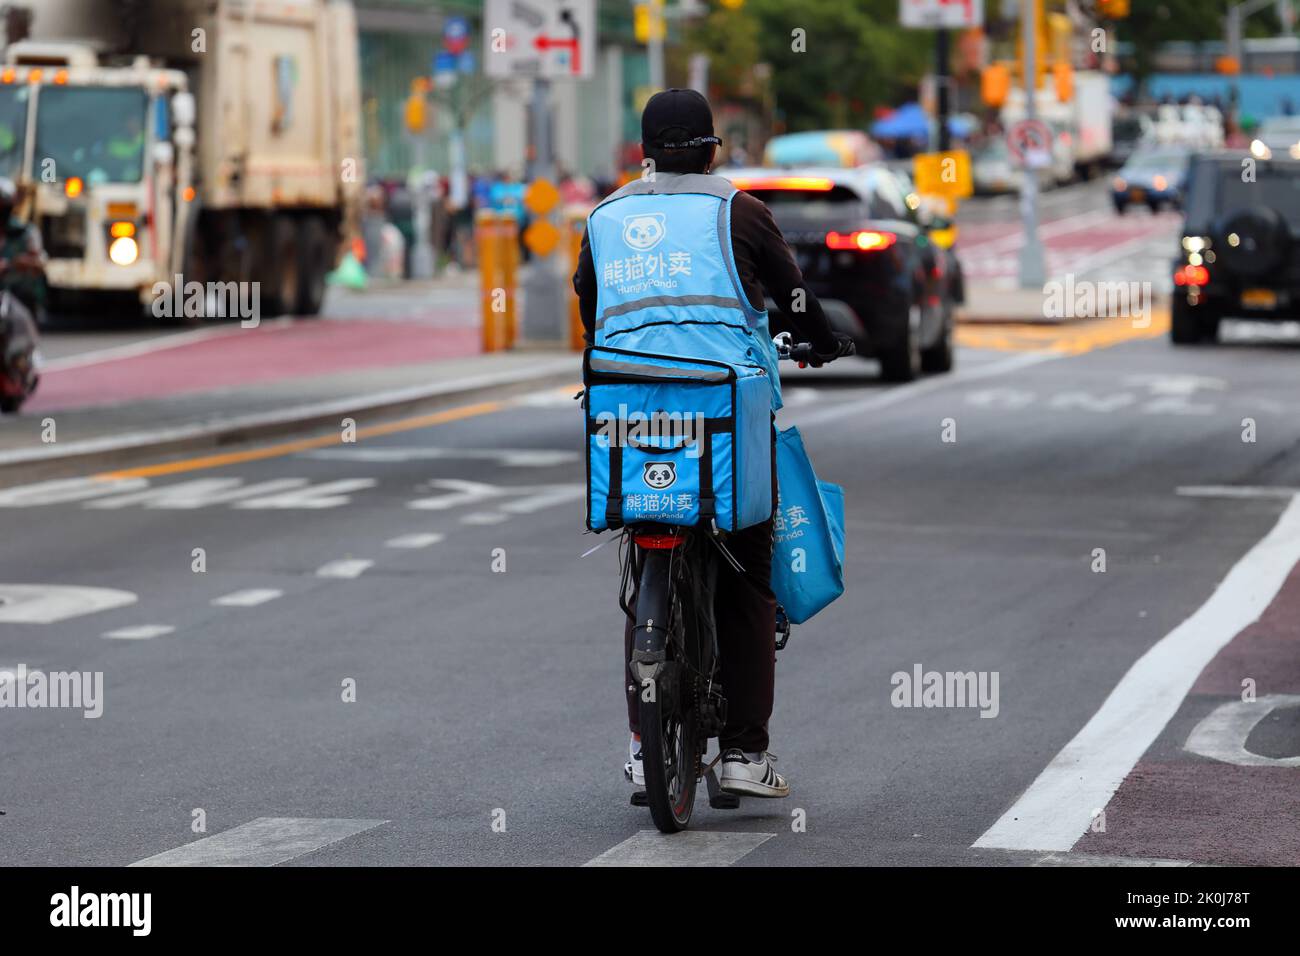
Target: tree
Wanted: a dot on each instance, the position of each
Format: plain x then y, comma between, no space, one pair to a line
832,60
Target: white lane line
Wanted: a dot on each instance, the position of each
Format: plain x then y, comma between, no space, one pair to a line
265,841
1236,491
689,848
1057,808
247,598
140,632
344,568
904,393
416,540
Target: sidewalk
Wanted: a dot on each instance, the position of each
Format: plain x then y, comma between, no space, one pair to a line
224,384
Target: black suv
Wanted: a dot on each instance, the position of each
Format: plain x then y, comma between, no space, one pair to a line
1240,252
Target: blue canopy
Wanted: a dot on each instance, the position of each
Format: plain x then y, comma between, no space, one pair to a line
909,121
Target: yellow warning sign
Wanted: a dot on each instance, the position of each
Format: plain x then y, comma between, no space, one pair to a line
541,238
541,197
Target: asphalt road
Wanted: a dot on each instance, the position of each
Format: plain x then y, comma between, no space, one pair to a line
487,725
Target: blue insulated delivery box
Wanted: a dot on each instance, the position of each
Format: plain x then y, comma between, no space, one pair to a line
676,441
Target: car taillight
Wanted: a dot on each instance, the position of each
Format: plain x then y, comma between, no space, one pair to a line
862,240
817,184
1192,275
1160,183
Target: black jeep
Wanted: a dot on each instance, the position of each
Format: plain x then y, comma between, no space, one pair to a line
1240,254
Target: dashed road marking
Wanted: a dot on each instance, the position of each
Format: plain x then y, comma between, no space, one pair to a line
344,568
140,632
689,848
1237,491
48,603
265,841
417,540
247,598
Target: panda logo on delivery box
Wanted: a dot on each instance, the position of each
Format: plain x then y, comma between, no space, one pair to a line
659,474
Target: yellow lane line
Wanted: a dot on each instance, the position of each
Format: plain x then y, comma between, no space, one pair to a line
302,444
1069,340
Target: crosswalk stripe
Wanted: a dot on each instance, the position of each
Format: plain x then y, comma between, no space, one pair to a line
248,598
344,568
140,632
691,848
265,841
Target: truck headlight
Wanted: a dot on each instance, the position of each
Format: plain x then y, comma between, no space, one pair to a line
123,251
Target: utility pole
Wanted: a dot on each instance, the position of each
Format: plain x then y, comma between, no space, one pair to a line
1033,268
942,45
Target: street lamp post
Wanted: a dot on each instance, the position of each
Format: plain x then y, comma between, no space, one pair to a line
1033,268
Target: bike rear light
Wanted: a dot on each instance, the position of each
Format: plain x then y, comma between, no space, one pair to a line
658,542
1192,275
861,240
817,184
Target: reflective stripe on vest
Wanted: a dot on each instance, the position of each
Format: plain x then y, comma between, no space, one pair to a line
667,277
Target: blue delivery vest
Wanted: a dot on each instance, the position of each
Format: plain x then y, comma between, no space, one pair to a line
667,276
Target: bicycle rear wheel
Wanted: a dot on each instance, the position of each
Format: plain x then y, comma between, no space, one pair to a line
667,693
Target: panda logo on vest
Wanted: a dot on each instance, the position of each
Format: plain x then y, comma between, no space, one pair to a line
659,474
644,231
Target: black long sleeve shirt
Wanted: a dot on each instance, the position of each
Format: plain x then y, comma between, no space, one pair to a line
764,262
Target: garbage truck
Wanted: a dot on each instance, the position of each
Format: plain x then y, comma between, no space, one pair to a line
176,153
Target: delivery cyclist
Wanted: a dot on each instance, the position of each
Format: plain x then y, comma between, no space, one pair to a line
685,273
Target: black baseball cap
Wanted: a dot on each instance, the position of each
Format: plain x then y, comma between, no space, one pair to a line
677,119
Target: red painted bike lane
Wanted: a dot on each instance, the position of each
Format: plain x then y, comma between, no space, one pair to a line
268,353
1240,804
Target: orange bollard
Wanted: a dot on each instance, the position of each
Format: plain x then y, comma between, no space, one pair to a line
508,252
486,238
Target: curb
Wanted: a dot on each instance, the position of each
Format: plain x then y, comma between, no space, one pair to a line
49,461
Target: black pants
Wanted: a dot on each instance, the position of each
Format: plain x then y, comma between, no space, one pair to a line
745,610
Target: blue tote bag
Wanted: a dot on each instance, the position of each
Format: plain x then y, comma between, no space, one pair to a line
808,533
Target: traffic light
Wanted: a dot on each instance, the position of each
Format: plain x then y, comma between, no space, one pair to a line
648,21
1063,78
1112,9
995,84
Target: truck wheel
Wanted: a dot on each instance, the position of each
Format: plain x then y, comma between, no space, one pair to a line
313,265
280,288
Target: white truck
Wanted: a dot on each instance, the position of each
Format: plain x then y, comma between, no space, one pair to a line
1081,127
208,144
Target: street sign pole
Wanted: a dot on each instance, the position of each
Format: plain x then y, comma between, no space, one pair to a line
543,287
1033,268
941,48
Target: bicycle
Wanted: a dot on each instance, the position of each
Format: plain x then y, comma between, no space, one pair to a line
674,662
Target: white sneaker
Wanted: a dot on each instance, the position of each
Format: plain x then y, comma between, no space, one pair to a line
752,778
634,770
